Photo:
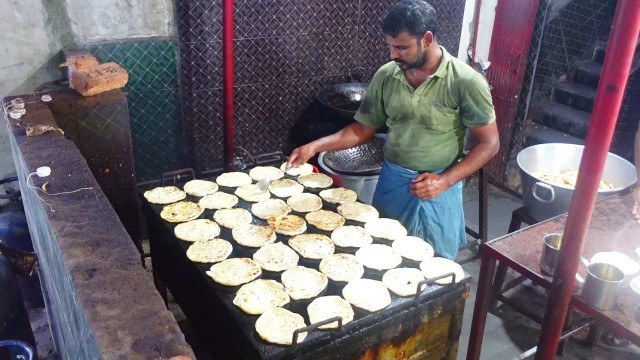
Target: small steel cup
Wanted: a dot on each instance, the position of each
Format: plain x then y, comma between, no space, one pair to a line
550,253
601,286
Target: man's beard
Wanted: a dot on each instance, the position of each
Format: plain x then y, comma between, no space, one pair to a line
419,62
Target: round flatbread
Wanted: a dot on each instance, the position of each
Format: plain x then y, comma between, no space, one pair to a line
367,294
341,267
234,271
252,193
303,283
312,246
164,195
219,200
230,218
197,230
266,172
403,281
260,295
388,229
378,257
277,326
413,248
288,224
351,236
200,187
276,257
438,266
358,212
327,307
181,211
234,179
304,202
304,169
315,181
253,235
325,220
209,251
270,208
285,187
339,195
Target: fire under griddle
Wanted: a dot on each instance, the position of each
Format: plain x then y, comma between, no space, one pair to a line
427,325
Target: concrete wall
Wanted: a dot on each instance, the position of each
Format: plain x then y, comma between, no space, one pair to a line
33,33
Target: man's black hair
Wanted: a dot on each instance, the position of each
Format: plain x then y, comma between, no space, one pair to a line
414,16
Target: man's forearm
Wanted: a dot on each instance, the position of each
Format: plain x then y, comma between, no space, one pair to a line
472,162
352,135
636,153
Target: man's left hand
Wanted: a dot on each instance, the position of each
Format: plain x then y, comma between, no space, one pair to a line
427,185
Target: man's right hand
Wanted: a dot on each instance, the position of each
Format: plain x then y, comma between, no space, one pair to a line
636,205
301,155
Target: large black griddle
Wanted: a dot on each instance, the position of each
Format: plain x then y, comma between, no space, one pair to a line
229,332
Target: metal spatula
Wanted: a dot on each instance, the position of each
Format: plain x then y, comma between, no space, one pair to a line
263,184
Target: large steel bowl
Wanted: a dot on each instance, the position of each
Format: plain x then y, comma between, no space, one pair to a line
543,200
339,102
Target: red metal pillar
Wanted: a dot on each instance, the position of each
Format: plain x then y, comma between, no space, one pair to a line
613,80
227,86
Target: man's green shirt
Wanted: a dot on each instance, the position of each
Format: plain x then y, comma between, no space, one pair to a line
427,125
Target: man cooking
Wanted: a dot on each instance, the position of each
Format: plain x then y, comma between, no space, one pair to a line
428,99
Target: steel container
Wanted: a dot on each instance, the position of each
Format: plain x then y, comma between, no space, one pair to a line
550,253
363,185
601,286
543,200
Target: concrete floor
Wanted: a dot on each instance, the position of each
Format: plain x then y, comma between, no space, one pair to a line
507,333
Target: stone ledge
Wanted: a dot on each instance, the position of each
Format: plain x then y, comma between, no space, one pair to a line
100,300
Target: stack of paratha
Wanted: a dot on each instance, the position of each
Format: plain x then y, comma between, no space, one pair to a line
338,195
252,193
367,294
181,211
303,169
285,188
388,229
403,281
209,251
200,187
325,220
378,257
303,283
341,267
230,218
288,224
315,181
312,246
266,172
164,195
260,295
235,271
277,326
253,235
304,202
327,307
197,230
219,200
351,236
233,179
358,212
276,257
270,208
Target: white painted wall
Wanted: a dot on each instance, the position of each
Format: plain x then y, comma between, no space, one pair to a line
33,33
485,28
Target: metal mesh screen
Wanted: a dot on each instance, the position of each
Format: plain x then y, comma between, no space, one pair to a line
565,32
285,51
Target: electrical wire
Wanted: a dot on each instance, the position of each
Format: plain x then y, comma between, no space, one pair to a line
34,188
